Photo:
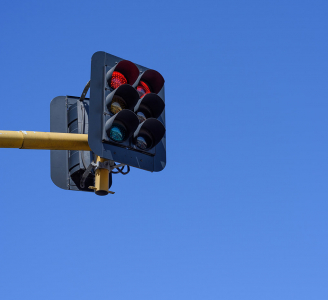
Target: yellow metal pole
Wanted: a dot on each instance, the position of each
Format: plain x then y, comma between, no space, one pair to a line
43,140
101,180
56,141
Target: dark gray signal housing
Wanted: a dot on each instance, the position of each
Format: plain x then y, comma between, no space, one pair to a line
102,119
69,115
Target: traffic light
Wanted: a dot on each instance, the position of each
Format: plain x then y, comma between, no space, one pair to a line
124,120
127,113
70,115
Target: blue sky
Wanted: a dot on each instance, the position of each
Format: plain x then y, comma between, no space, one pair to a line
239,212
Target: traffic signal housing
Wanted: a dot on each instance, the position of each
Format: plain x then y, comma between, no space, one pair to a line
70,115
127,113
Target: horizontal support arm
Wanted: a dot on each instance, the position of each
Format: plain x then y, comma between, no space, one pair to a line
43,140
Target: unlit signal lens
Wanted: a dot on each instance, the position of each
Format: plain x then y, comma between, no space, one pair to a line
144,140
143,113
141,116
117,105
141,143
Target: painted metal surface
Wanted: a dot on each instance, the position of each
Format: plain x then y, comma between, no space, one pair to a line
154,160
43,140
67,166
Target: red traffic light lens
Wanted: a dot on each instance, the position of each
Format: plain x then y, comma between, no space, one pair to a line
117,80
143,89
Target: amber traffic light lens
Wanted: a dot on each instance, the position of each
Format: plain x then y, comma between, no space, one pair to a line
141,116
143,113
117,105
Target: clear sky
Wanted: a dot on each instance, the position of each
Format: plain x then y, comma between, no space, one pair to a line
239,212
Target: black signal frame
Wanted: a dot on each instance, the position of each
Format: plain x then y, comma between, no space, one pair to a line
68,166
125,152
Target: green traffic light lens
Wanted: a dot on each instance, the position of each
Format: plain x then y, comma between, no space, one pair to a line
117,133
144,141
141,143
